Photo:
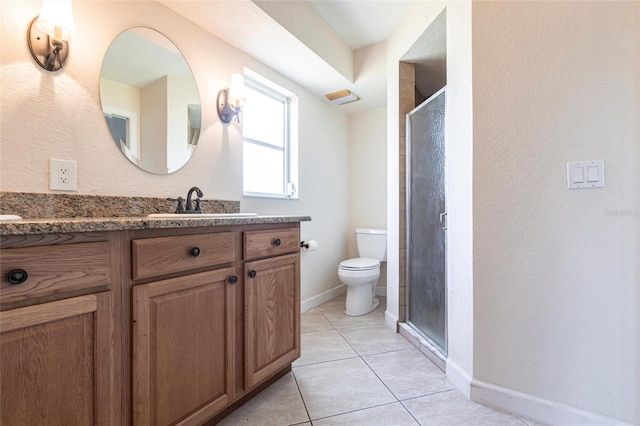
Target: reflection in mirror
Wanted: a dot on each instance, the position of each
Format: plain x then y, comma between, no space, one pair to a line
150,100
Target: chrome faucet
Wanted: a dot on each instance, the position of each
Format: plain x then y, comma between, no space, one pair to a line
189,207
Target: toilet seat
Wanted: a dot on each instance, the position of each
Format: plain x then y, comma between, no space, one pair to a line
359,264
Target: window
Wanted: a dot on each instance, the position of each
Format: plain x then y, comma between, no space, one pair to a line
270,164
119,127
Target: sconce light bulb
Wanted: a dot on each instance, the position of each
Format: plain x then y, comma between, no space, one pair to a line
49,33
56,19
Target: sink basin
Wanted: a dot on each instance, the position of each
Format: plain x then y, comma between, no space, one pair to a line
9,217
201,216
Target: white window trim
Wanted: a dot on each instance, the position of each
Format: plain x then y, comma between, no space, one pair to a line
290,188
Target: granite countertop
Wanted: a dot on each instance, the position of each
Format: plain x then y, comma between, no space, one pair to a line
45,213
101,224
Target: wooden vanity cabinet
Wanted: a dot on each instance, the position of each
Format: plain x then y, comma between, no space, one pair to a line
183,348
212,331
145,327
57,332
272,303
272,328
183,327
55,362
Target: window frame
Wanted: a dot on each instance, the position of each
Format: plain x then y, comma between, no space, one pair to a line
289,190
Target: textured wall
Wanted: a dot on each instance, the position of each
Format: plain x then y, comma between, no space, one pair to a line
57,115
368,171
368,176
556,293
458,175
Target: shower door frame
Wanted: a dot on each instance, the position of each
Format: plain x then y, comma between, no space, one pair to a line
442,350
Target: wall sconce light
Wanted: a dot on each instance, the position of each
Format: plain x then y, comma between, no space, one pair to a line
230,100
49,34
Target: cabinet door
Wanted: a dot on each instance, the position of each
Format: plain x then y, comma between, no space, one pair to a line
56,363
183,348
272,316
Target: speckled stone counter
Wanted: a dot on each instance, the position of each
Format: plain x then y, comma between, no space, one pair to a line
41,206
65,213
101,224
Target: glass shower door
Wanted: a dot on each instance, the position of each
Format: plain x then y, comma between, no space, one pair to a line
426,220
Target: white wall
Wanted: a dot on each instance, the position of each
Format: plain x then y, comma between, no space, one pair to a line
368,171
181,92
324,193
458,147
556,295
154,126
57,115
368,176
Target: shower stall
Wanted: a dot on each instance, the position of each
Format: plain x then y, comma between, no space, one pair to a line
426,221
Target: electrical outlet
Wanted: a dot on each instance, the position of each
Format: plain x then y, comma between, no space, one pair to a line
62,175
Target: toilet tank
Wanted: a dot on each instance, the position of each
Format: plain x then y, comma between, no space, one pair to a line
372,243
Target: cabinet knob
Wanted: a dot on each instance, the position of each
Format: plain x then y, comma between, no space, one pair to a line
252,274
16,276
277,242
195,251
233,279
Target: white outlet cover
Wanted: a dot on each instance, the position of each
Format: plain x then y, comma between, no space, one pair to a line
62,175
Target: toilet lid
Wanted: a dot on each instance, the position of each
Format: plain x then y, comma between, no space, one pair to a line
359,264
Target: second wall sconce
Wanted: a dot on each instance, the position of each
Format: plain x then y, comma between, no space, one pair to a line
49,34
230,100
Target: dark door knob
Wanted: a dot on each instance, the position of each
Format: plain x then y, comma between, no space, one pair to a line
16,276
195,251
277,242
233,279
252,274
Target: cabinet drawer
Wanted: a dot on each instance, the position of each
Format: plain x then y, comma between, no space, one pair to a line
55,269
271,242
154,257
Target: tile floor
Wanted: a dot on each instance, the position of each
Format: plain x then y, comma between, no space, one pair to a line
355,371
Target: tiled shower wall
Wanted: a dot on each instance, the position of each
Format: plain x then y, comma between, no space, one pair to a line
407,102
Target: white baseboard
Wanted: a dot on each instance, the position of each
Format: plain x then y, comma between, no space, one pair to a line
390,321
323,297
459,378
534,408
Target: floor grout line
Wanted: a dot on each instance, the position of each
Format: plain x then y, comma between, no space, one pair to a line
397,400
301,396
357,410
365,341
326,362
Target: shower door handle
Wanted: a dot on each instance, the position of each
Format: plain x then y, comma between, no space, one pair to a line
443,221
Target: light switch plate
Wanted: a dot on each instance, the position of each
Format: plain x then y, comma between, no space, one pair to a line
585,174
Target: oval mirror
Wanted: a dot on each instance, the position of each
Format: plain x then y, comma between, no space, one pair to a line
150,100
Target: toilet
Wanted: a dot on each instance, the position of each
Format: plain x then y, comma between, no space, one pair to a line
361,274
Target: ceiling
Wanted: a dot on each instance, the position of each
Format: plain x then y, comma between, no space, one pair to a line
318,44
140,56
361,23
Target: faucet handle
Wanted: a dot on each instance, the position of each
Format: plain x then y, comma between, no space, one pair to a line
198,208
179,207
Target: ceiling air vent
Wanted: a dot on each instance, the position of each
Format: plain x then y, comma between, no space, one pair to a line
342,97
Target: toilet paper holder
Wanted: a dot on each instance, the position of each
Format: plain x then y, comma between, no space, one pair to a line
309,245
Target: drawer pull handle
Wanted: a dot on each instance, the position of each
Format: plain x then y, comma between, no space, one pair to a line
277,242
17,276
233,279
195,251
252,274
